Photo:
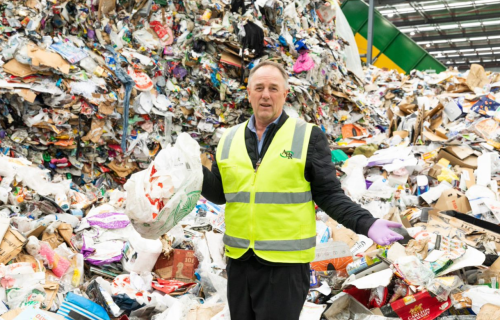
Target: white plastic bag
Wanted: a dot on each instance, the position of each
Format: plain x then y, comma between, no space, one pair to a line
160,196
354,184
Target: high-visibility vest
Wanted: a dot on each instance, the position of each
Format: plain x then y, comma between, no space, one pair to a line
269,209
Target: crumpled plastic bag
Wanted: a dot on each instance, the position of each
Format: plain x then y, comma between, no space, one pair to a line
160,196
303,63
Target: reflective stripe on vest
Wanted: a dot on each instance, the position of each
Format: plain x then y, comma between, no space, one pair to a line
298,139
235,242
270,197
229,140
243,197
271,245
286,245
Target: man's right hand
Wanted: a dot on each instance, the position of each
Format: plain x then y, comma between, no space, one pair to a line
205,161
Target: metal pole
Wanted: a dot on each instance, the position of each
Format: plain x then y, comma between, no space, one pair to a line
370,33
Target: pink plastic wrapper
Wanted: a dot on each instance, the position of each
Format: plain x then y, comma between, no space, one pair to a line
57,264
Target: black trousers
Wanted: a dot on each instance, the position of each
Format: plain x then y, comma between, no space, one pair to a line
257,291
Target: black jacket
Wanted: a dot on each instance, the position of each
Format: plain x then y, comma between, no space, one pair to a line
320,172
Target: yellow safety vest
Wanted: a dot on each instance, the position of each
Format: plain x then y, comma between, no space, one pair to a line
270,209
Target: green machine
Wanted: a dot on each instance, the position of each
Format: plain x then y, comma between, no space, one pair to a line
391,48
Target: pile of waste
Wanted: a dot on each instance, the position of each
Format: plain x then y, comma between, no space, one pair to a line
106,106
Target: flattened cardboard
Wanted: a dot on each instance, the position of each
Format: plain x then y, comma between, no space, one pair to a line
105,7
51,289
204,312
41,57
342,234
496,265
54,239
394,215
66,232
122,169
418,124
106,108
27,94
459,155
18,69
402,134
12,243
36,232
407,109
470,179
435,171
433,137
441,132
96,130
488,312
231,59
180,265
463,227
453,200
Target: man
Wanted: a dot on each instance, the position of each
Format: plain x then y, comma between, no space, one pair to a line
270,171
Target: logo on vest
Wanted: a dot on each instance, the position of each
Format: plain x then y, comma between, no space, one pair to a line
286,154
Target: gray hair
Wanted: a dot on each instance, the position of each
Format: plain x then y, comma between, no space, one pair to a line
271,64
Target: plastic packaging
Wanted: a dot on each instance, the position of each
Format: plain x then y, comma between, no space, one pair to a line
140,254
443,286
413,271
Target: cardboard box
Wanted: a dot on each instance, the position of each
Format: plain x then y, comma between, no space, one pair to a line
11,245
180,265
452,199
419,306
435,171
459,155
344,301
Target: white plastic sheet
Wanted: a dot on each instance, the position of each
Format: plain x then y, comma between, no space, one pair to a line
352,60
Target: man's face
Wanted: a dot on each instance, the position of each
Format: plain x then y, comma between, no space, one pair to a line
267,94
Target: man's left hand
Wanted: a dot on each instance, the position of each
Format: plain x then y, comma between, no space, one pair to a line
381,233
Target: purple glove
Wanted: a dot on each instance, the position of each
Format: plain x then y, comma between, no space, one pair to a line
382,235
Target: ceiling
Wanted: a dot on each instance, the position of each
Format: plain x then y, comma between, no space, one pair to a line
456,32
